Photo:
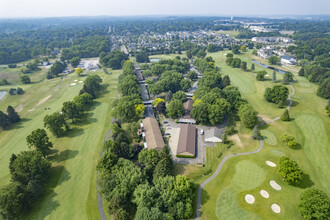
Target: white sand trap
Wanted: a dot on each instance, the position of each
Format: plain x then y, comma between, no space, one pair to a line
264,193
276,208
75,80
80,81
275,185
73,84
249,198
270,163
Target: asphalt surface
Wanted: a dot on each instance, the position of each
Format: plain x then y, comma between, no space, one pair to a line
217,171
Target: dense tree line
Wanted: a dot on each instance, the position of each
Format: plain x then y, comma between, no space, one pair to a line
57,68
56,122
320,75
114,59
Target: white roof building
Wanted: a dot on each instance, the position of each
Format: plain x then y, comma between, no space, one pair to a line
213,135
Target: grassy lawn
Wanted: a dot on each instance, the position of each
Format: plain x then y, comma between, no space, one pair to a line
310,125
72,189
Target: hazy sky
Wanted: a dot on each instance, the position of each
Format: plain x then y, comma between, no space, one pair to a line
57,8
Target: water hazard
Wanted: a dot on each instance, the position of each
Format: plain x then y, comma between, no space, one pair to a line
269,67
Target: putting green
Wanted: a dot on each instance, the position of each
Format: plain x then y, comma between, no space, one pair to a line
269,137
316,146
228,208
248,175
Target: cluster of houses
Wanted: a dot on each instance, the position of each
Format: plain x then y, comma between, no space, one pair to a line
157,42
268,51
272,40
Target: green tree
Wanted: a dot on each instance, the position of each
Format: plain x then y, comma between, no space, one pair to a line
289,140
75,61
324,89
314,204
301,72
253,67
235,49
129,86
287,77
175,108
56,123
261,75
285,116
192,75
244,66
180,95
12,115
274,77
83,102
39,139
276,94
30,166
185,84
4,120
248,115
70,110
25,79
280,104
225,81
217,111
290,171
255,133
274,60
200,113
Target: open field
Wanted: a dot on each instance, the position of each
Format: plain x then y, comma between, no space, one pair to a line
310,125
72,189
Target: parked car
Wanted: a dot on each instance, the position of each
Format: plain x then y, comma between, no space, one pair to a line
202,131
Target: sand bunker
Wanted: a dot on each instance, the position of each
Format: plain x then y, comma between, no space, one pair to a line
276,208
249,198
264,193
80,81
75,80
270,163
275,185
73,84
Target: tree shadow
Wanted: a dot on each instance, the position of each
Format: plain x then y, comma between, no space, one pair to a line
74,132
18,124
204,199
63,155
294,103
297,147
95,104
306,182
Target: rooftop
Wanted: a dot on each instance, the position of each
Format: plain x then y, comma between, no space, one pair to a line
153,135
187,140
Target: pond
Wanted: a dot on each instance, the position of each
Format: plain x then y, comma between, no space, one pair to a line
269,67
2,94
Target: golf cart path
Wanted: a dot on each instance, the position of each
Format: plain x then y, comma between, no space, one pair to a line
217,171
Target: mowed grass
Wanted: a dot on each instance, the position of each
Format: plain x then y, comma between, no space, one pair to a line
310,125
72,188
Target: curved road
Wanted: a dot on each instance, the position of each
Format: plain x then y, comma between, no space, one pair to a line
217,171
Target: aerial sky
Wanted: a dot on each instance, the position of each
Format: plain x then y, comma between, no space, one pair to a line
59,8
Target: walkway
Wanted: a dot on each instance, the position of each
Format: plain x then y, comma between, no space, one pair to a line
217,171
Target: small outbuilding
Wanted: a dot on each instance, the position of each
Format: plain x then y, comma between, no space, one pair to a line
213,135
187,141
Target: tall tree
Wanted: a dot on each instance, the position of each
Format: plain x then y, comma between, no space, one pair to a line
39,139
55,123
4,120
285,116
70,110
314,204
12,115
274,77
289,170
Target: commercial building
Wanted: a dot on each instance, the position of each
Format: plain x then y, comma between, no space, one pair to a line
152,134
187,141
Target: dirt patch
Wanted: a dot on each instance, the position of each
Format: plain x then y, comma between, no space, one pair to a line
41,101
264,118
236,140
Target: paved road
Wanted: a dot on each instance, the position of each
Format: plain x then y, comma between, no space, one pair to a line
217,171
